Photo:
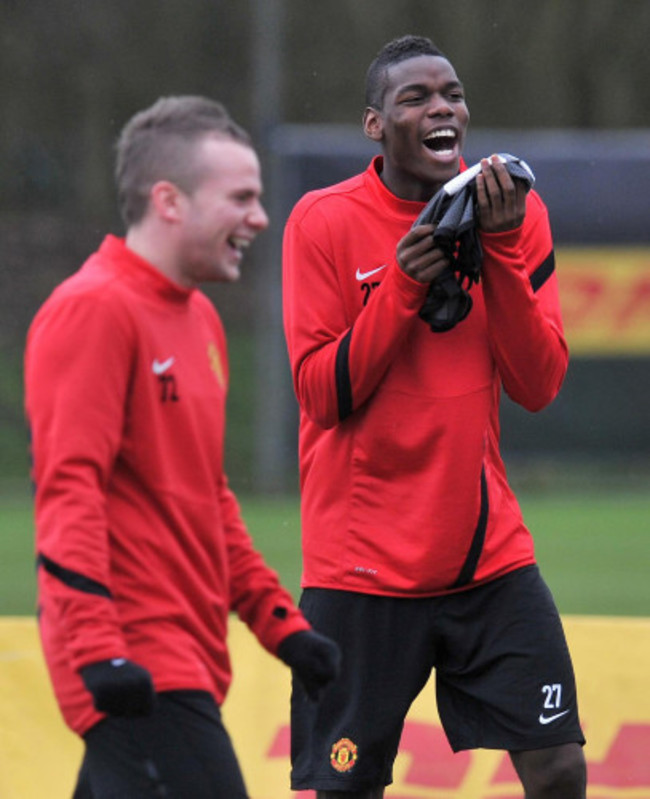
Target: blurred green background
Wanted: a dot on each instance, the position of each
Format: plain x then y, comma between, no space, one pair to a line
592,547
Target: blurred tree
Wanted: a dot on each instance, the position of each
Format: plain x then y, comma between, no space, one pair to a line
74,70
555,63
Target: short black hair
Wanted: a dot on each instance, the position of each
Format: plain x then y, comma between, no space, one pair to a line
397,50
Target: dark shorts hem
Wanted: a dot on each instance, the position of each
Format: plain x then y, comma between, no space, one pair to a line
520,745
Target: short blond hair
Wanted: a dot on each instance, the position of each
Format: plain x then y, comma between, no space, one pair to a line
159,143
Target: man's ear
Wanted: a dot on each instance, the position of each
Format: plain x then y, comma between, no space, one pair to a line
373,124
166,200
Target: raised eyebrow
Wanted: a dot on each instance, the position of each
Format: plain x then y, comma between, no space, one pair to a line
412,87
247,194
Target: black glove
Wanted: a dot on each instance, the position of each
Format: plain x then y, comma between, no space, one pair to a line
120,687
315,659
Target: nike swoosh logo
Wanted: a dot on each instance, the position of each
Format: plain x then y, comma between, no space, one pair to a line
548,719
158,367
364,275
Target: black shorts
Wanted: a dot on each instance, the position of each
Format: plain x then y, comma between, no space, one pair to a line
182,750
504,677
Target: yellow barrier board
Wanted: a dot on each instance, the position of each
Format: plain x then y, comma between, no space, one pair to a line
39,757
605,298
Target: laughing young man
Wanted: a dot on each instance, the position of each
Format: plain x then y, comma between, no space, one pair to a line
142,551
416,556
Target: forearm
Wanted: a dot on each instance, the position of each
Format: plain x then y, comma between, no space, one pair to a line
255,591
73,561
337,374
524,325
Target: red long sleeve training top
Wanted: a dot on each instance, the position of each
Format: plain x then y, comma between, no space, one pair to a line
141,547
404,491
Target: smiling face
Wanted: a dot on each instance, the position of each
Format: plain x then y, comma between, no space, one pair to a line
421,126
219,219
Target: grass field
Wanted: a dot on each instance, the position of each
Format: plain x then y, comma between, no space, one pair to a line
593,547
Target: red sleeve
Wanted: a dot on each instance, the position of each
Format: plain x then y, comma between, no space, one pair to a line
523,309
255,592
77,373
338,358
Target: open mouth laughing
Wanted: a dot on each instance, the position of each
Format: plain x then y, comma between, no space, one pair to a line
239,244
443,142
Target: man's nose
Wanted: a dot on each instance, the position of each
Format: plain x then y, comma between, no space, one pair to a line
439,106
258,218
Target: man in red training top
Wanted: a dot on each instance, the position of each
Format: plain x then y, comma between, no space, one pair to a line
142,552
416,556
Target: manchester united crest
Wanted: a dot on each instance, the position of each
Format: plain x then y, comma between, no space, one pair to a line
215,363
343,755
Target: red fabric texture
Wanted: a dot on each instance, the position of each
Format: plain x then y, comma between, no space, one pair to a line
391,494
126,380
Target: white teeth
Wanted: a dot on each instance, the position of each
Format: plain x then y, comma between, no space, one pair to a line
239,244
438,134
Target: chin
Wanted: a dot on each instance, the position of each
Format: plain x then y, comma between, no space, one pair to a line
230,274
448,168
443,174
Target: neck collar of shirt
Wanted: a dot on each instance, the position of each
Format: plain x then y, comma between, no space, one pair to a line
405,208
140,272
